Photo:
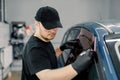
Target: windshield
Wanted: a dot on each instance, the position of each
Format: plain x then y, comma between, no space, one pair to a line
113,45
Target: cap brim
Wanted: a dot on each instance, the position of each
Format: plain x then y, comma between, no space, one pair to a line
52,25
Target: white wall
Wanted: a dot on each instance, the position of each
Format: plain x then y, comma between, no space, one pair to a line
115,9
71,11
4,35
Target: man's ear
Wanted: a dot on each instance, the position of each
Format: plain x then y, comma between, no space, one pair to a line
37,23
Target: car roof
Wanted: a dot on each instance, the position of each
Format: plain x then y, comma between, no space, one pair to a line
109,26
113,26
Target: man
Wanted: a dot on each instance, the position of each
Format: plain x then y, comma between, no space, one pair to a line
39,57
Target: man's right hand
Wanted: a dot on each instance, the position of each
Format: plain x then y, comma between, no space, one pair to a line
83,61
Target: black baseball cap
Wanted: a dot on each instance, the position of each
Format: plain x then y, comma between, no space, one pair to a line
49,17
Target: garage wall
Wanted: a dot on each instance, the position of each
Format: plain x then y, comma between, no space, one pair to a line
71,11
114,9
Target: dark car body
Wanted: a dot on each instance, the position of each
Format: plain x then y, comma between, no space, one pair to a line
105,36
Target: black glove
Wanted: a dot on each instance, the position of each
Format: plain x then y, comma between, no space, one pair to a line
70,44
83,61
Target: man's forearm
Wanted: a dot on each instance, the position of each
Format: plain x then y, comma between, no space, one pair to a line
65,73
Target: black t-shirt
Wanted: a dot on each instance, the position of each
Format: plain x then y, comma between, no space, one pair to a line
38,55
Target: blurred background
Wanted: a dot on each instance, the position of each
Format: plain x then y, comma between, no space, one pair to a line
17,18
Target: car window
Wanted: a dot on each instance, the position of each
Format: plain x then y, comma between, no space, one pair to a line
70,35
73,34
113,45
86,39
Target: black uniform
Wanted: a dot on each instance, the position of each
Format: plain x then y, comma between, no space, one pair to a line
38,55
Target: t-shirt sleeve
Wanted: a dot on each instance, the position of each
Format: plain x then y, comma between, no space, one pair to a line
38,60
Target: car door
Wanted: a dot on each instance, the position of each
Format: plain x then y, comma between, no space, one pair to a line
88,40
113,45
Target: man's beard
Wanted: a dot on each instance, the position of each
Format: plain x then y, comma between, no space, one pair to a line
47,39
